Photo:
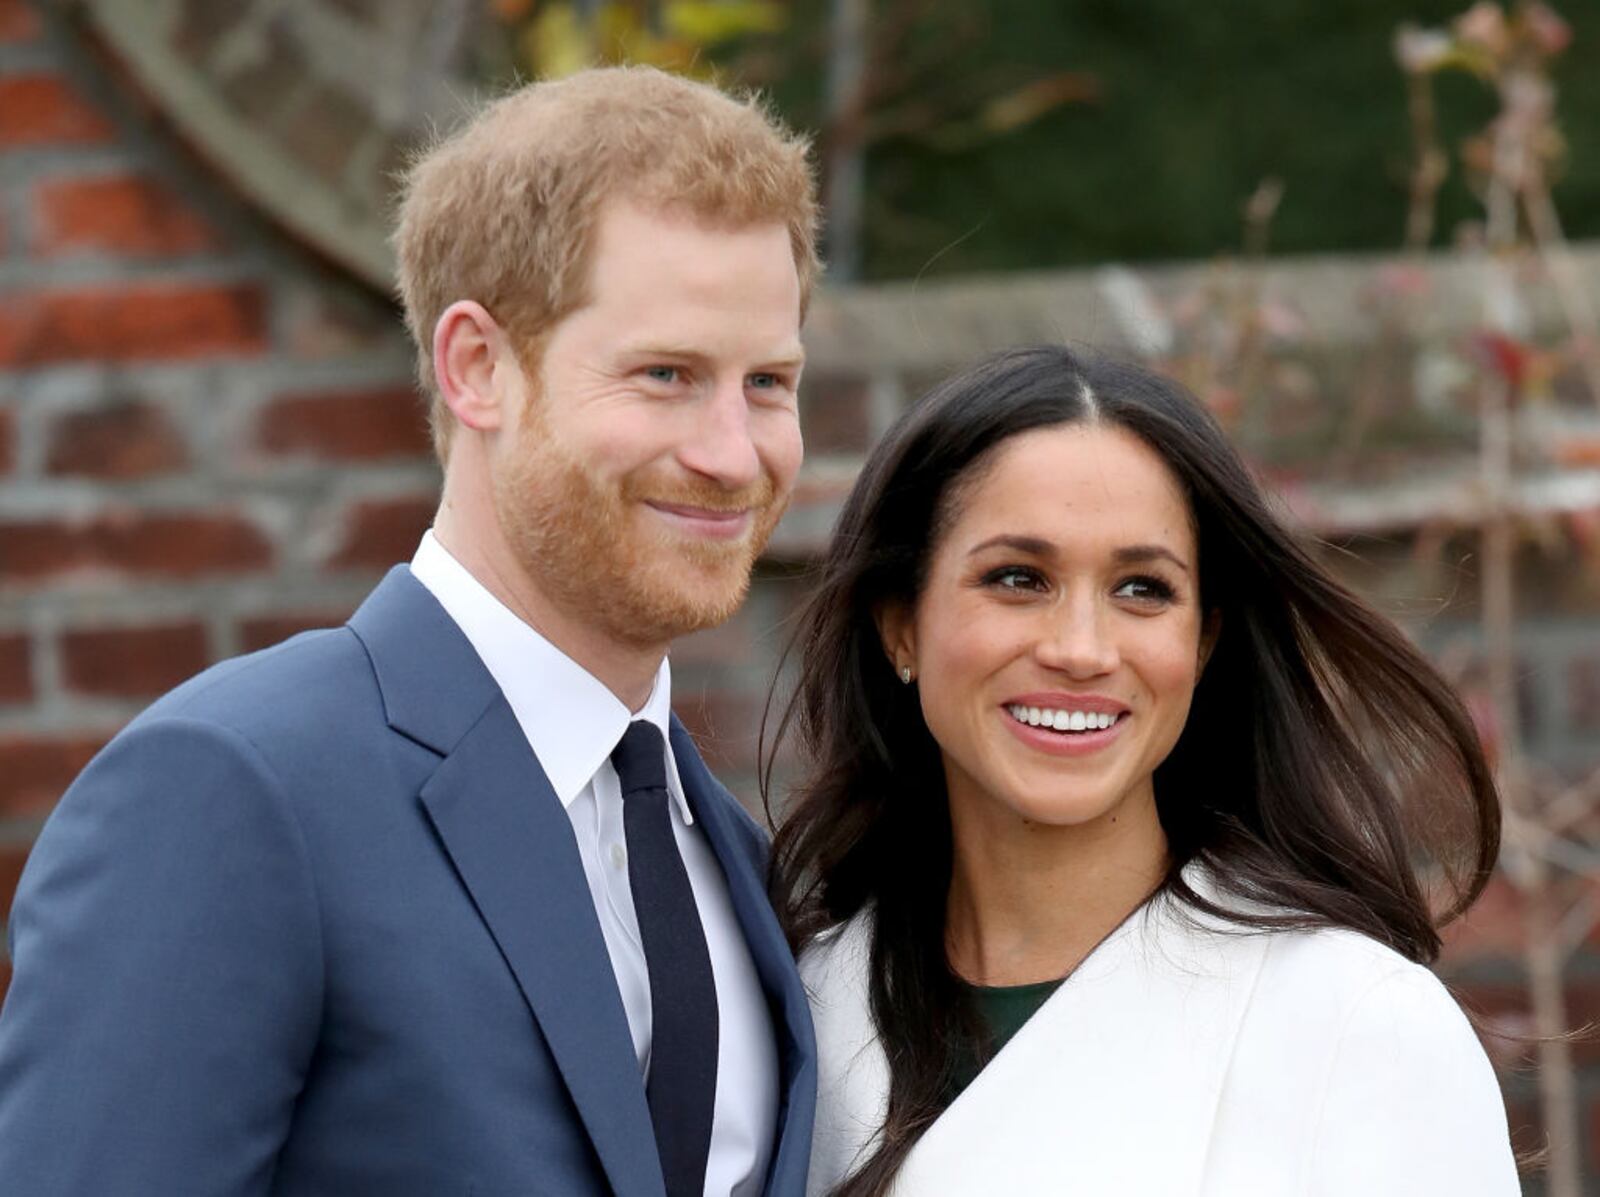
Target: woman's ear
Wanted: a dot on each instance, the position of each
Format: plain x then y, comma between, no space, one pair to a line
897,632
1210,629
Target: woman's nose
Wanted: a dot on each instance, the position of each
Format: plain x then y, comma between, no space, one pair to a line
1077,641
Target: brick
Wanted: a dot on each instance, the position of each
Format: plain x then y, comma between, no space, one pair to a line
326,143
1577,452
1583,693
263,631
346,426
380,532
1591,1120
132,662
1495,927
1526,1125
317,323
16,668
1499,1014
145,322
36,770
124,440
1502,1013
729,644
8,440
18,21
40,109
12,858
138,543
836,415
118,214
724,723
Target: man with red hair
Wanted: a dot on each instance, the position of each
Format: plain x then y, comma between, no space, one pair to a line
445,901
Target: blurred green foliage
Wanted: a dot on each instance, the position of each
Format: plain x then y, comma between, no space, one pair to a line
1032,134
1197,103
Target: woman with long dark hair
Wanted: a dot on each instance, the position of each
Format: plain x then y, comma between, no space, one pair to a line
1126,829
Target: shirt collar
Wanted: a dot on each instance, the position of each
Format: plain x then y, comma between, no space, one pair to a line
571,720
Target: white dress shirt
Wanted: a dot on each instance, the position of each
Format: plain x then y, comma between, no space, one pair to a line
573,722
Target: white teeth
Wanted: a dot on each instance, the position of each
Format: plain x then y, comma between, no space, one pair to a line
1059,720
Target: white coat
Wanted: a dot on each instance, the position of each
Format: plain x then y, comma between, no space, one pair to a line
1185,1056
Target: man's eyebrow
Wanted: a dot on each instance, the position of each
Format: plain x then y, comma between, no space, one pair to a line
784,359
1038,546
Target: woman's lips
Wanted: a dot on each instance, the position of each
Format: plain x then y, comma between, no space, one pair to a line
1066,743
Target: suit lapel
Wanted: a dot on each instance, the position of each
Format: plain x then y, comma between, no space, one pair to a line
1113,1086
512,845
773,962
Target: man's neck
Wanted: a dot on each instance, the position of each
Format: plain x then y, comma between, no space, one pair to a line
627,670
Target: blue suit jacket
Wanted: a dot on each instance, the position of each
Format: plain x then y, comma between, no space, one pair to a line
316,924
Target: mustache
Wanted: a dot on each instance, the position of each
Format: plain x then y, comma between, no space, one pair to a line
704,494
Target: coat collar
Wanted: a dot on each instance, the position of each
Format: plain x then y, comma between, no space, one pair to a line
434,687
1111,1087
511,842
797,1051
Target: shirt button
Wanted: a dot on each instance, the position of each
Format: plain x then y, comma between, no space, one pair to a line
619,858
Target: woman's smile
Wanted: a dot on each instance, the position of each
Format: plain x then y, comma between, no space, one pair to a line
1066,724
1059,637
1065,735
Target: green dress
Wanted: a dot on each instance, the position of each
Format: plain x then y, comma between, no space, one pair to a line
1002,1009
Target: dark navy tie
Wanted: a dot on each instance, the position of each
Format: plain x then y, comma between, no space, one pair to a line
682,1085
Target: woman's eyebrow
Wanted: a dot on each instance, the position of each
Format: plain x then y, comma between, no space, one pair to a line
1135,554
1035,546
1038,546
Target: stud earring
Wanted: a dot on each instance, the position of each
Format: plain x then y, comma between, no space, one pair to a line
905,674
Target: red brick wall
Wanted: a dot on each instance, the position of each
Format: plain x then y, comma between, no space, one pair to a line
208,443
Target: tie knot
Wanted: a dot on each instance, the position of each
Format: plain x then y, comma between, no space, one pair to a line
640,758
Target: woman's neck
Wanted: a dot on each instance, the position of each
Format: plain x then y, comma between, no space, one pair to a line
1029,901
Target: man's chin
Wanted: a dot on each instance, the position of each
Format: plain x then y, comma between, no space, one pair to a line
688,597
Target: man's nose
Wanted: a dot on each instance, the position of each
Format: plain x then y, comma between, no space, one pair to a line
719,445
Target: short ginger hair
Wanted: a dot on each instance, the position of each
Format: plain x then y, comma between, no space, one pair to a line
503,209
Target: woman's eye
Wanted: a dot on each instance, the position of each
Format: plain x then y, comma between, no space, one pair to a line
1014,578
1144,589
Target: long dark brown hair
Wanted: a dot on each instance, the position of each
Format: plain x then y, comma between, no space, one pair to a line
1326,772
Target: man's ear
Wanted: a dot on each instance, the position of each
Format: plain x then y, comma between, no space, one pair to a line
1210,629
469,348
897,632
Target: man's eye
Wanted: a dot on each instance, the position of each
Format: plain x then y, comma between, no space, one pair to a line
662,373
765,382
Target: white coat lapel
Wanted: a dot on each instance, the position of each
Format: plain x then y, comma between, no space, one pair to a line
1112,1087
